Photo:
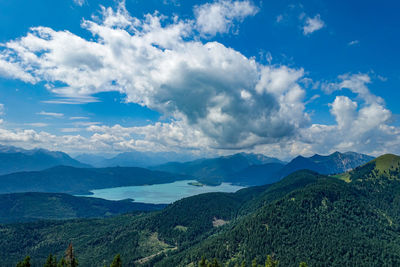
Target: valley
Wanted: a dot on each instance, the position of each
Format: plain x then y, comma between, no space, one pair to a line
286,219
217,133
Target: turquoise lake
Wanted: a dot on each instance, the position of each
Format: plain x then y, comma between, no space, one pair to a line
161,193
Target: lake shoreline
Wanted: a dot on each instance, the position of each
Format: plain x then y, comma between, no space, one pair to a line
161,193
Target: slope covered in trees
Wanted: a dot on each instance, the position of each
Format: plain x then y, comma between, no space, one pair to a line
305,217
22,207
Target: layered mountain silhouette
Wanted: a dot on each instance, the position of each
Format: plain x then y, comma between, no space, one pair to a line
13,159
65,179
349,219
133,159
334,163
251,169
217,170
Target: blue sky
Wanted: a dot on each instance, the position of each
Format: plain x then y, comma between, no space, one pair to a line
275,77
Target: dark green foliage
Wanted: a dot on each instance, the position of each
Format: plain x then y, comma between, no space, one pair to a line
99,240
304,217
96,240
70,258
196,214
205,263
325,220
62,263
117,262
363,172
25,263
21,207
271,262
51,261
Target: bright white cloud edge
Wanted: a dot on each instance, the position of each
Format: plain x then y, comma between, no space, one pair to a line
220,100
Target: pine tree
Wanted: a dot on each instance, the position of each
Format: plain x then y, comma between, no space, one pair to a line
25,263
303,264
117,261
202,262
70,259
51,261
270,262
62,263
215,263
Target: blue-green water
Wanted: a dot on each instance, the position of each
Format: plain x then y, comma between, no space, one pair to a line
161,193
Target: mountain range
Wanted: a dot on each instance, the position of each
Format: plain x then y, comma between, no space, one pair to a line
334,163
78,178
65,179
13,159
217,170
252,169
349,219
133,159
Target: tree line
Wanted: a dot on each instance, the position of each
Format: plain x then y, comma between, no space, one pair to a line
269,262
69,260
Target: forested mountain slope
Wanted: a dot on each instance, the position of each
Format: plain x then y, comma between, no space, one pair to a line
21,207
351,221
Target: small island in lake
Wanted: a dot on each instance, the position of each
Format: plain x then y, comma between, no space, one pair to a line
196,184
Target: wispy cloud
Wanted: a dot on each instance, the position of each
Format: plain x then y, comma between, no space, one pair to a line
78,118
237,104
71,99
79,2
313,24
36,124
70,130
86,123
354,42
51,114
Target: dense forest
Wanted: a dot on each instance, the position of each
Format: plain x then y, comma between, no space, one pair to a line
351,219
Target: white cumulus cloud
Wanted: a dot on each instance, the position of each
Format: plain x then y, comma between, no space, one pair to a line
154,63
313,24
220,16
215,98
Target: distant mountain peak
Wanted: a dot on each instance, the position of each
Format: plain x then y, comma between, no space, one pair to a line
14,159
334,163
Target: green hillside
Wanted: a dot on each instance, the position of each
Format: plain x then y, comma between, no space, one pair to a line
384,167
304,217
21,207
